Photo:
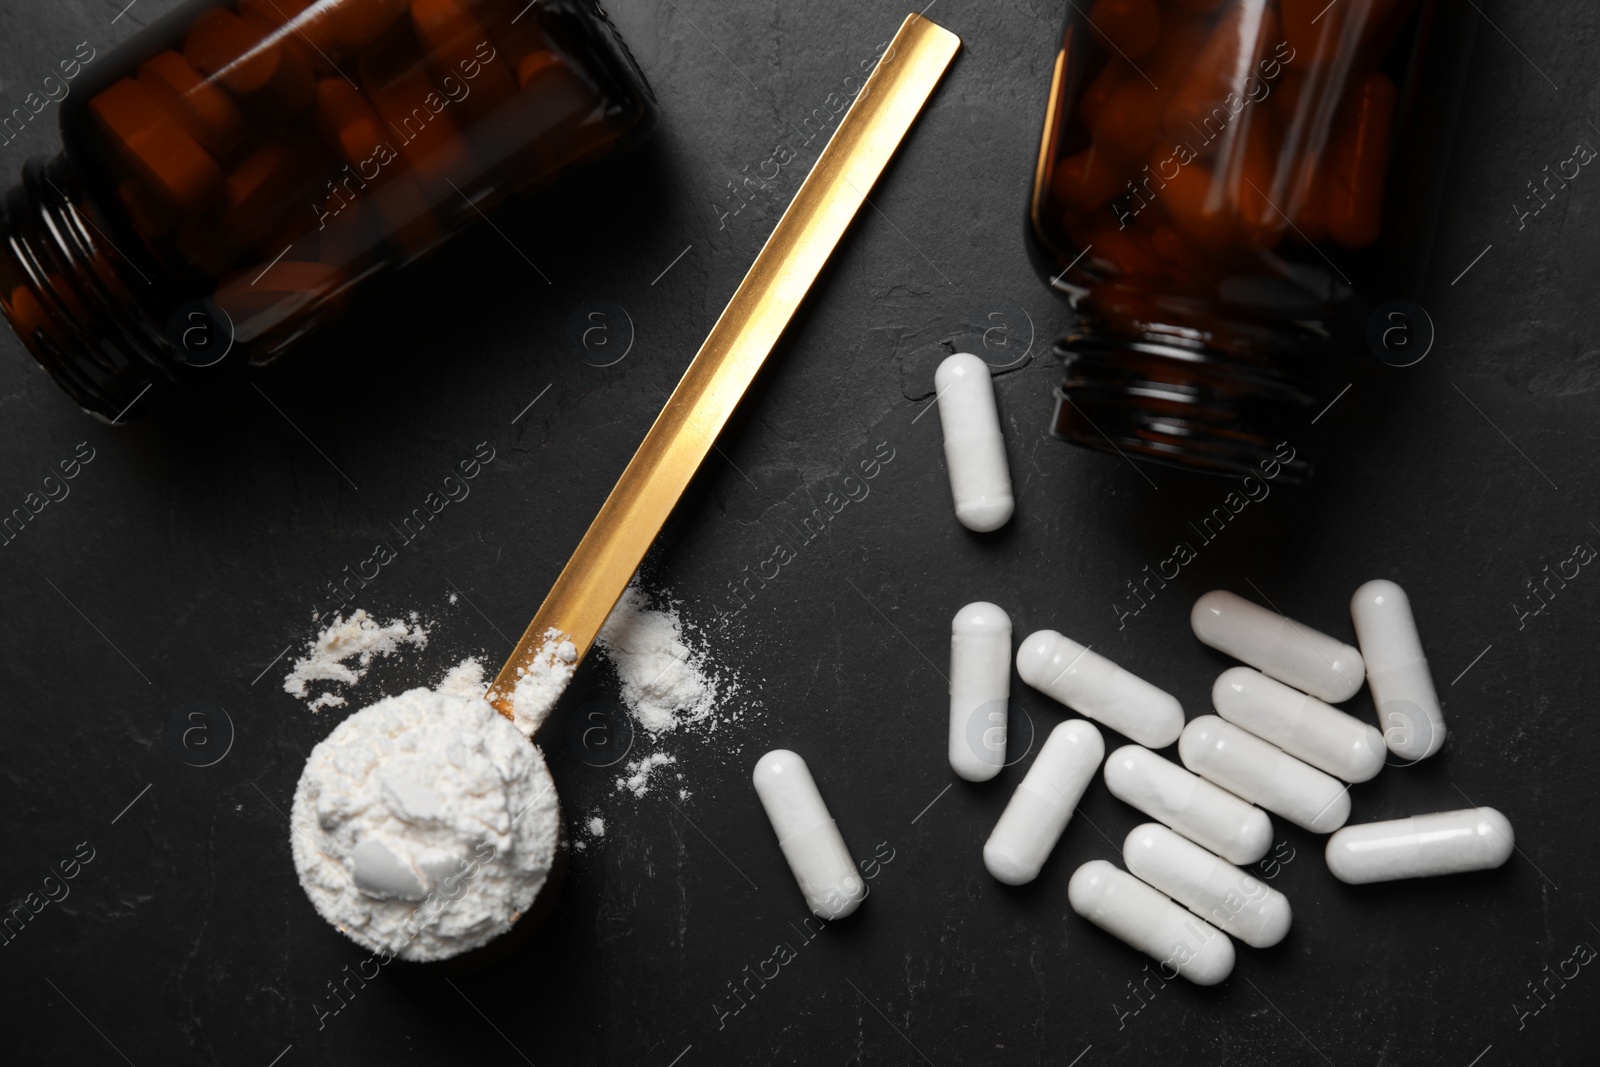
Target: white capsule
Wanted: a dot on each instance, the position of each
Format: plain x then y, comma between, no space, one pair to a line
1448,842
808,836
1125,907
1301,725
974,449
1277,645
1247,766
1204,813
1098,689
1402,686
1043,803
980,685
1234,901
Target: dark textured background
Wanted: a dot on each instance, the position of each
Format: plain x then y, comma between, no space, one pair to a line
192,548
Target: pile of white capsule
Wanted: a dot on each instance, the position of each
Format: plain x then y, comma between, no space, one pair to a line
1276,745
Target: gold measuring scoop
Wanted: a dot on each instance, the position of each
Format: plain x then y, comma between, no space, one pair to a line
610,552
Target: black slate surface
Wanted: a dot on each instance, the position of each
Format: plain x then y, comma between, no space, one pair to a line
194,546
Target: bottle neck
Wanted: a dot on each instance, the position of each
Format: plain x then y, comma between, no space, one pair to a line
77,303
1178,397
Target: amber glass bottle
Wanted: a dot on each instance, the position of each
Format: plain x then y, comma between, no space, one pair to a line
231,175
1227,190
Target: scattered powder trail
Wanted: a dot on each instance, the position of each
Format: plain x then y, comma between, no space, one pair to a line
361,638
589,830
637,779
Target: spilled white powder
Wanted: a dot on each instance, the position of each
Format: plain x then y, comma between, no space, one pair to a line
666,683
424,825
637,778
588,830
541,683
361,639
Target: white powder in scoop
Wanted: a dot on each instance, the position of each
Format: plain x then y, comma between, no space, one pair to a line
464,680
424,825
666,683
541,683
361,639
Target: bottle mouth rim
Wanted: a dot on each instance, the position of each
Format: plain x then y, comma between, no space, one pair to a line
1193,408
79,321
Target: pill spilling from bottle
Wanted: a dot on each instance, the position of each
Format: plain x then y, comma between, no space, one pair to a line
974,447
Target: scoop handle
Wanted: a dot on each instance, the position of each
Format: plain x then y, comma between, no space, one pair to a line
610,552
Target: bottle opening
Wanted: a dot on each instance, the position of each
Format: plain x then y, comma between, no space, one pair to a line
72,297
1189,406
1225,191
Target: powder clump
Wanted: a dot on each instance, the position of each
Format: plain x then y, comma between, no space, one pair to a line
666,683
361,639
637,778
424,825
